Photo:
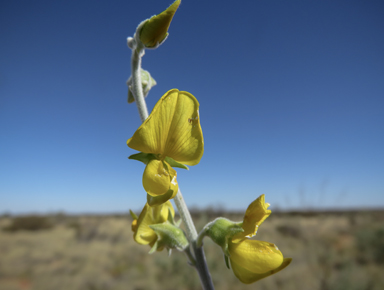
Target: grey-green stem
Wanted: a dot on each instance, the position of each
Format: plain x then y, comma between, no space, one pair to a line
136,87
201,263
137,91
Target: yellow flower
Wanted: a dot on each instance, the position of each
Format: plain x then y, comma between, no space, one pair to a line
253,260
172,136
150,215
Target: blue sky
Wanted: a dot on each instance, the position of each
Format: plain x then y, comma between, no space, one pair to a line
291,101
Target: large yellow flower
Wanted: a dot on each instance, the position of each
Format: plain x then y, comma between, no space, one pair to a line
150,215
252,260
171,136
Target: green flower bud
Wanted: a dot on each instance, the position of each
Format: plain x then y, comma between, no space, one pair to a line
147,82
155,30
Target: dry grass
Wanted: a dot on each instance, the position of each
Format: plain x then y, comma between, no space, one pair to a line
335,251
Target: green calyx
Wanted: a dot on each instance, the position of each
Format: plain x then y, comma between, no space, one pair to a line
169,236
221,230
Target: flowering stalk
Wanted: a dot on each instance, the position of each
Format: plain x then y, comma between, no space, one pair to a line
135,87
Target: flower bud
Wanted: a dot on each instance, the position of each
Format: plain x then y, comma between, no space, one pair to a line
147,82
155,30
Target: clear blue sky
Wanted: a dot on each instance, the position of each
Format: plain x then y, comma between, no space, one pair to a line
291,101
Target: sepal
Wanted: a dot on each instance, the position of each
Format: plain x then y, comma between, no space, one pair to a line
133,215
226,259
174,163
143,157
171,219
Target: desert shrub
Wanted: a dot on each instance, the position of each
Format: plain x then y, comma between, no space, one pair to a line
29,223
370,244
290,231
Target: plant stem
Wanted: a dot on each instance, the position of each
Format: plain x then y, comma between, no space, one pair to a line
136,87
137,91
201,263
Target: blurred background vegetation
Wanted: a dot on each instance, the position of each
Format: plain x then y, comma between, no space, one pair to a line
330,250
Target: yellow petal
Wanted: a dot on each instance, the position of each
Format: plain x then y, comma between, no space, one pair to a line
144,234
173,129
255,256
255,214
249,277
159,178
160,213
151,215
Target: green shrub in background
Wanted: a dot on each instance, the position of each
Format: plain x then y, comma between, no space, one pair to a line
29,223
370,244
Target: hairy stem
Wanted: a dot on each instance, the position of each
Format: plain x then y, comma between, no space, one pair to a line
136,88
200,262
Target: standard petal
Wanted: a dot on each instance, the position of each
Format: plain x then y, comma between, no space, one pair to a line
159,178
255,214
173,129
249,277
185,141
256,256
